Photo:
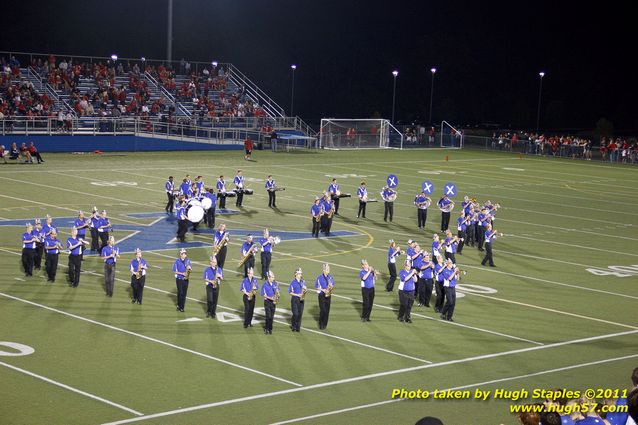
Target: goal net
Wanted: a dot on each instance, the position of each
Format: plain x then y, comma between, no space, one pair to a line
358,134
450,137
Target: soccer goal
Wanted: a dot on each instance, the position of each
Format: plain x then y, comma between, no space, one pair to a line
450,137
358,134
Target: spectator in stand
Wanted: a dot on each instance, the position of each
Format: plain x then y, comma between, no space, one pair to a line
248,147
34,152
611,149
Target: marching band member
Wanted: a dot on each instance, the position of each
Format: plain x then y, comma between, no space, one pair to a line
324,284
182,269
438,281
461,225
316,213
334,192
103,230
270,291
169,187
248,250
472,233
450,275
266,243
221,191
239,185
407,278
213,276
483,220
249,287
93,227
180,214
437,246
186,188
411,251
389,195
199,184
52,247
297,290
81,223
490,235
48,226
220,240
39,234
417,263
138,268
270,188
28,249
209,218
393,252
450,243
446,205
367,276
110,254
188,180
362,194
422,202
329,209
427,274
74,245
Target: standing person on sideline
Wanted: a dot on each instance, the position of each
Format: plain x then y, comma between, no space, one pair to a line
248,147
138,268
110,254
249,288
367,276
393,252
182,269
52,247
169,187
271,188
324,284
213,276
389,195
297,291
28,249
362,194
490,235
74,245
270,292
406,292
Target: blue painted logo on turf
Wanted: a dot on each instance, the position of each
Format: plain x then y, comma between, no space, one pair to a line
160,233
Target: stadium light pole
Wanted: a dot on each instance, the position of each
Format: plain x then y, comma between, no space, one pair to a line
395,73
433,71
292,91
169,33
540,92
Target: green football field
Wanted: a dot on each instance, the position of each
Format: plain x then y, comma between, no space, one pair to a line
558,311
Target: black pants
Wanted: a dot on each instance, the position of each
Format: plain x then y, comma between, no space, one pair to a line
37,258
422,216
182,290
104,240
212,295
450,302
406,299
368,299
38,157
392,269
296,305
427,293
271,199
249,264
328,225
28,256
480,230
239,199
182,228
95,245
75,263
469,235
488,255
221,256
170,204
450,256
324,310
109,278
336,199
440,296
51,266
269,308
388,211
266,257
249,308
362,209
138,287
316,225
222,200
210,217
461,235
420,291
445,221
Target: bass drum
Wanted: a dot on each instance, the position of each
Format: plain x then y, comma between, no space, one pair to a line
207,203
195,212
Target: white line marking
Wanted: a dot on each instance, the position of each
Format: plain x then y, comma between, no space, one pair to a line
366,377
478,384
148,338
190,319
576,246
19,278
75,390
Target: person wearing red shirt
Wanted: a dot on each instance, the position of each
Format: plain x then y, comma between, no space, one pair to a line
248,147
34,152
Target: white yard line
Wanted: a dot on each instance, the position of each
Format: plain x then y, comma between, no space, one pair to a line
75,390
367,377
148,338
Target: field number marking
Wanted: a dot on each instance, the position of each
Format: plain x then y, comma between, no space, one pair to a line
618,271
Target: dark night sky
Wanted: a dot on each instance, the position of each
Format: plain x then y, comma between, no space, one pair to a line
488,54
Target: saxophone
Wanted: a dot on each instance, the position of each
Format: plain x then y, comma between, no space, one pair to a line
329,290
188,273
277,297
138,272
304,290
252,293
220,245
